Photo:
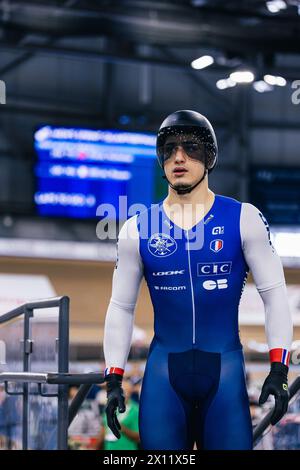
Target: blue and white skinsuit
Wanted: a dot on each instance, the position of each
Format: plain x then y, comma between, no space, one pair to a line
194,384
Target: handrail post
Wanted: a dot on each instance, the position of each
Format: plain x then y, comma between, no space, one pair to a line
63,367
26,368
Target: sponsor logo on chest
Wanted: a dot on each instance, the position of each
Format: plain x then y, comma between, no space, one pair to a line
214,269
168,273
170,288
218,284
218,230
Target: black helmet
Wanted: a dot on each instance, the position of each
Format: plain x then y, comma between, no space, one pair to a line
186,121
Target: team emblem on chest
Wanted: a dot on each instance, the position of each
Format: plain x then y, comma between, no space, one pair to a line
162,245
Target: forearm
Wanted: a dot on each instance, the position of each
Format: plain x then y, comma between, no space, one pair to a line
117,334
278,323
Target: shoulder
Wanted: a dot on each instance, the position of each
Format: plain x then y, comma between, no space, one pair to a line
128,238
246,207
146,218
249,212
148,211
253,224
129,229
228,201
131,224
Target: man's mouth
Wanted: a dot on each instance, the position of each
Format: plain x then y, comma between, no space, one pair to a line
179,171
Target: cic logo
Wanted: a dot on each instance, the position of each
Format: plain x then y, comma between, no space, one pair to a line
2,92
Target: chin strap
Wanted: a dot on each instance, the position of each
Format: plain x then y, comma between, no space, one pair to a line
186,189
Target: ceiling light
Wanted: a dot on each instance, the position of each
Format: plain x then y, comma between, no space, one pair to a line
273,80
202,62
270,79
221,84
225,83
242,76
274,6
261,86
280,81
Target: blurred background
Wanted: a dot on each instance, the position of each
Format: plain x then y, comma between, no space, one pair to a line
85,84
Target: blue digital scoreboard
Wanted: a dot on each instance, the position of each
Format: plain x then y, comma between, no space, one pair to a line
79,169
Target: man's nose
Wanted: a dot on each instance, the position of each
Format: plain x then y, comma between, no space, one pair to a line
179,153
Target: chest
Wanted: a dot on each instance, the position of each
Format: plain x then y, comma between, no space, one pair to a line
211,248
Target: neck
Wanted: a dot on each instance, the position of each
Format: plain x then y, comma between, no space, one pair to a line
200,195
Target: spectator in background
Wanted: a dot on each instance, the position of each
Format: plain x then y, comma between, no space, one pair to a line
10,421
94,390
136,372
254,411
129,422
101,399
84,429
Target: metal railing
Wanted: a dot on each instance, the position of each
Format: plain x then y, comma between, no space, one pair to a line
62,378
84,380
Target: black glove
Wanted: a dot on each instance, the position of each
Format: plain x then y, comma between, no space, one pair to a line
115,399
276,384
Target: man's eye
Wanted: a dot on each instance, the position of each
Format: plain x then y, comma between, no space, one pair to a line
192,147
169,148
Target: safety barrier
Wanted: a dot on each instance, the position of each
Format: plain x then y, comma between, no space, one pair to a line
17,328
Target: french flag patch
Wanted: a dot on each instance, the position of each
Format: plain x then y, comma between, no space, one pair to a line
280,355
216,245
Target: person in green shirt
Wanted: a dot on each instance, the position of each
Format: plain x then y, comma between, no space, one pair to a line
129,422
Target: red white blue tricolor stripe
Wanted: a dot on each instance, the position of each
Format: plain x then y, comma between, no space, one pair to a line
113,370
280,355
